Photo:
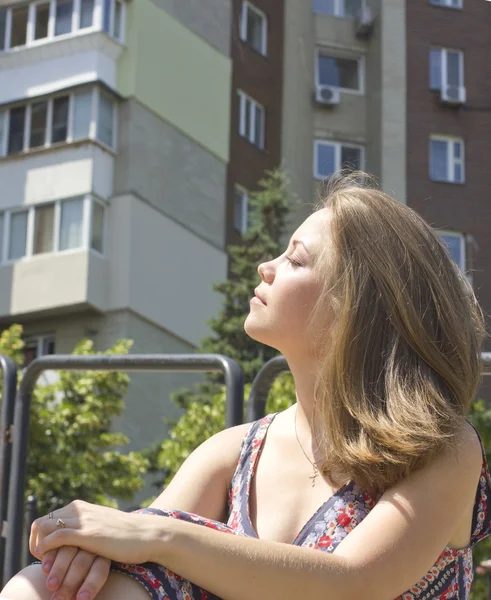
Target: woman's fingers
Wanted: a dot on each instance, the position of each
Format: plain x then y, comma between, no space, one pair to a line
96,578
48,561
74,577
61,564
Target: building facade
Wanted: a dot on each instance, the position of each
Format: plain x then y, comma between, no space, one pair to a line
114,146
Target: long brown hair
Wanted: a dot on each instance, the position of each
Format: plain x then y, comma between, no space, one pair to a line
401,355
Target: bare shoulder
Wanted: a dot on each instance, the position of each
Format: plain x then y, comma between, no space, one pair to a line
226,444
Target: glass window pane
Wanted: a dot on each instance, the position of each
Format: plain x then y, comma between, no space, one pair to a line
453,68
118,20
326,160
435,69
352,8
259,126
105,120
39,115
16,129
3,26
82,114
30,351
63,22
59,129
18,35
254,31
3,115
338,72
458,173
457,150
41,21
48,345
97,228
239,200
71,224
323,7
44,219
18,235
86,13
454,245
106,23
350,158
2,225
438,160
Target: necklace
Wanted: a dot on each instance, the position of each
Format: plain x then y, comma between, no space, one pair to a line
314,465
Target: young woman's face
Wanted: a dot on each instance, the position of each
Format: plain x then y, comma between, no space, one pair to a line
284,299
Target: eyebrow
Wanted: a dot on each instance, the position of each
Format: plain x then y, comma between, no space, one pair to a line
296,242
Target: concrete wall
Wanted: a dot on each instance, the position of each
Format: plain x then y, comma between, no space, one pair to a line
177,75
162,270
55,174
209,19
169,170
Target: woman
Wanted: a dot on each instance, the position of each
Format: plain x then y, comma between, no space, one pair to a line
383,336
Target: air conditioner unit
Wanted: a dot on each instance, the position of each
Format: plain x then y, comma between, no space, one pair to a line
327,95
454,94
364,23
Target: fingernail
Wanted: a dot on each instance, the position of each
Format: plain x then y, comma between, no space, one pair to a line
83,596
47,567
53,582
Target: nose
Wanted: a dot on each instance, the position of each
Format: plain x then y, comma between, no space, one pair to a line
266,271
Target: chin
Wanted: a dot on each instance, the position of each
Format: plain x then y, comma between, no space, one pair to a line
258,333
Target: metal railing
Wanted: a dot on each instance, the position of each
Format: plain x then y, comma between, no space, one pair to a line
234,382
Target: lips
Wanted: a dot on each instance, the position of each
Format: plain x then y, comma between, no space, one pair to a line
259,297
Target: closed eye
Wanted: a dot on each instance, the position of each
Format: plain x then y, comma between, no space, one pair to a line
293,262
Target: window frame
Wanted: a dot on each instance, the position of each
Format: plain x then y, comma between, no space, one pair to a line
444,67
452,161
86,225
243,99
319,50
246,6
463,244
39,339
338,13
244,208
97,23
338,149
92,135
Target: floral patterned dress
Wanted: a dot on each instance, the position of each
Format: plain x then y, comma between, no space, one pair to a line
450,577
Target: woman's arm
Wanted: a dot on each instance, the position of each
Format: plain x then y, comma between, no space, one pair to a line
389,551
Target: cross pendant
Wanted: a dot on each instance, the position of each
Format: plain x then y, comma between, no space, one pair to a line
314,475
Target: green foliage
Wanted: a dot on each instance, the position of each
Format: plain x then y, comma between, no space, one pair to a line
72,453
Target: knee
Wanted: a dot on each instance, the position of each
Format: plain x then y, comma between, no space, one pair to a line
28,584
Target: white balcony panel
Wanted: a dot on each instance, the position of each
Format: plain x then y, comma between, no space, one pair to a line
53,281
56,174
161,270
58,64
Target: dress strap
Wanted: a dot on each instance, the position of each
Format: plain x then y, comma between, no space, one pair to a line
481,518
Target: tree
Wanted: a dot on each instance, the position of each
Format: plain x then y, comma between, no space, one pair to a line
72,453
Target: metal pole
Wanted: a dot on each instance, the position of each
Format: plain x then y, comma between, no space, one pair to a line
137,362
31,516
261,386
9,386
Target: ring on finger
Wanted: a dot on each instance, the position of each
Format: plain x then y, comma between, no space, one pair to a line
60,523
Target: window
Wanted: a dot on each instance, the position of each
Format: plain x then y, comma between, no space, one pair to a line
330,157
446,68
447,159
17,235
39,114
72,214
64,225
56,120
447,3
18,31
241,209
105,121
41,20
338,8
254,27
35,347
16,129
341,73
44,221
455,243
251,120
44,20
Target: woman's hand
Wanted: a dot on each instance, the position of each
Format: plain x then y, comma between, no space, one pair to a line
114,534
71,572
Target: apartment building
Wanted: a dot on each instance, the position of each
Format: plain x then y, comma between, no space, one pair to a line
114,145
